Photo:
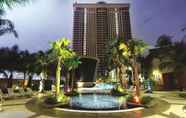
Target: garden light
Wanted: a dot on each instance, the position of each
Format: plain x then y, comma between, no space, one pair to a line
156,72
40,95
68,90
80,84
136,99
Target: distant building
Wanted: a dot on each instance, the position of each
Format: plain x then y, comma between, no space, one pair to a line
164,77
95,24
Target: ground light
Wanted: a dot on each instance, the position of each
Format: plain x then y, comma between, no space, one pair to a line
80,84
136,99
40,95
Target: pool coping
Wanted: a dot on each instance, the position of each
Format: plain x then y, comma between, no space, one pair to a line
103,111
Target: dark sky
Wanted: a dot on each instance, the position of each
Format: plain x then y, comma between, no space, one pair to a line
42,21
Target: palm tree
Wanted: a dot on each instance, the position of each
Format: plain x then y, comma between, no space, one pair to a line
114,59
9,58
71,64
60,51
42,62
131,50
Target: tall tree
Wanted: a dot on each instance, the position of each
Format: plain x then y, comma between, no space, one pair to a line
9,58
174,57
131,50
42,62
115,59
60,51
71,64
164,41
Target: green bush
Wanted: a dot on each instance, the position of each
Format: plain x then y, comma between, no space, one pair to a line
62,98
130,98
72,93
50,100
119,91
182,94
145,100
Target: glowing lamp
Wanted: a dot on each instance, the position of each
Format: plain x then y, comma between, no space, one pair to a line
40,95
68,90
80,84
157,74
136,99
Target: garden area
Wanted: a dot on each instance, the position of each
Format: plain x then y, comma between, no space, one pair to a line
136,82
105,95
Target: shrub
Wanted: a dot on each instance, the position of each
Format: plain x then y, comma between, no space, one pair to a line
130,98
182,94
145,100
72,93
119,91
62,98
50,100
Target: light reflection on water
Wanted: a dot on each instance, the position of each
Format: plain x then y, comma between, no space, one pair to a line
97,102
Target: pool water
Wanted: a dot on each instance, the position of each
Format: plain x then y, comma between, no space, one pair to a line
104,86
96,102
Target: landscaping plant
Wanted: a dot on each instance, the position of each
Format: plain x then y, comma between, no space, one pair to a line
60,51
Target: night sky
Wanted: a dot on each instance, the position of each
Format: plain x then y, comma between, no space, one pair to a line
42,21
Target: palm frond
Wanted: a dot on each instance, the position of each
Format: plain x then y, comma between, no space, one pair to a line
11,3
6,26
2,12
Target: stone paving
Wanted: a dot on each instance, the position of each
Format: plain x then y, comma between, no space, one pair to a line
17,109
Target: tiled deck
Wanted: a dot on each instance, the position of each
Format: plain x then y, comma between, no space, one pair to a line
17,109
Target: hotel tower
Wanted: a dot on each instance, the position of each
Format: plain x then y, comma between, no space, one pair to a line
96,24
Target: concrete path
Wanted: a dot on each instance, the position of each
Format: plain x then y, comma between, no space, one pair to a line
175,110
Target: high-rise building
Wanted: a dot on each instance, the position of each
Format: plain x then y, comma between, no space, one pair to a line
95,24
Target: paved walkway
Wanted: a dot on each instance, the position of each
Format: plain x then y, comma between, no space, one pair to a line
17,109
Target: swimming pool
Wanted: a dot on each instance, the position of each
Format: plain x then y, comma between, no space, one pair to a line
104,86
97,102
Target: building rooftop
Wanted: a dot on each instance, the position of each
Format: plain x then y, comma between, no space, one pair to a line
101,4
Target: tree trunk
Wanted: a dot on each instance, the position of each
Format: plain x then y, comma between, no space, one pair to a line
136,78
120,76
67,82
10,80
29,81
58,77
117,74
72,81
24,79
